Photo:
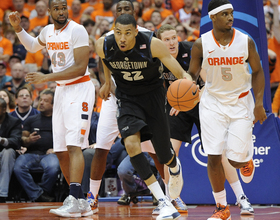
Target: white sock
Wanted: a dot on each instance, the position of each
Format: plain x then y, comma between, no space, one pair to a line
237,189
156,190
94,186
176,168
220,197
166,190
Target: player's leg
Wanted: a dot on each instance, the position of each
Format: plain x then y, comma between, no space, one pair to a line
241,199
107,131
76,112
213,136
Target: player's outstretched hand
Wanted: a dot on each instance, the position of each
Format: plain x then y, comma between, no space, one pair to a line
14,18
260,114
35,78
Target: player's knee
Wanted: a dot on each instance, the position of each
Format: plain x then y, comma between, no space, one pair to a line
214,160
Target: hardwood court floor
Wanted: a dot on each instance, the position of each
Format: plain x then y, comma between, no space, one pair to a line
113,211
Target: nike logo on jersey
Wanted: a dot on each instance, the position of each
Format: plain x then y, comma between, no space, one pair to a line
194,92
211,51
50,35
112,48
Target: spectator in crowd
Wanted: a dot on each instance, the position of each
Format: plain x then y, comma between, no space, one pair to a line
37,138
6,46
17,80
10,135
104,13
24,108
146,5
14,58
170,19
149,25
137,10
19,6
30,5
3,77
91,5
181,32
88,24
6,5
140,22
9,99
25,23
156,19
42,18
52,85
159,7
101,26
184,14
93,60
6,22
75,12
274,45
131,183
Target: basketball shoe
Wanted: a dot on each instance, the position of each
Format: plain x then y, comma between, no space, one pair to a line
93,202
73,208
175,183
167,210
247,172
221,213
180,205
244,205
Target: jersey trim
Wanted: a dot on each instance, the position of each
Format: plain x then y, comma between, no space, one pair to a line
233,36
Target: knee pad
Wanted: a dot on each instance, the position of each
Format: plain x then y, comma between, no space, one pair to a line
142,166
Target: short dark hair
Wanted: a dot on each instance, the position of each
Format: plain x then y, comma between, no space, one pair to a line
22,88
216,3
88,22
50,1
126,19
48,91
132,6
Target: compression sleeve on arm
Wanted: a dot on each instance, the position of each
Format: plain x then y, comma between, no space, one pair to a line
30,43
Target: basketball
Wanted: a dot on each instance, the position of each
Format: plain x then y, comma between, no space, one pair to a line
183,95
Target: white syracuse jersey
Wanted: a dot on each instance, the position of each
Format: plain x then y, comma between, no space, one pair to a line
226,67
60,45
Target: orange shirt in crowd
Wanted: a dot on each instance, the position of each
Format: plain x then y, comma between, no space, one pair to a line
29,7
76,19
102,13
6,4
35,58
164,13
34,22
26,13
97,6
1,15
276,101
98,104
6,47
176,5
274,45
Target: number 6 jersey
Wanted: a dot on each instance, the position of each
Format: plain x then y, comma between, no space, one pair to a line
226,66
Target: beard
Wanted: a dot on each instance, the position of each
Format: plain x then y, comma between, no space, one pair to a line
61,22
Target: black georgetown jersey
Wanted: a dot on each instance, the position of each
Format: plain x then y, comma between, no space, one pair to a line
183,58
135,71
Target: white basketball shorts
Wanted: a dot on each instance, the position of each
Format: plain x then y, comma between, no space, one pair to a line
227,127
73,105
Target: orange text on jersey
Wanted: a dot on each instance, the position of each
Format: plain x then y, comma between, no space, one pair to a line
57,45
217,61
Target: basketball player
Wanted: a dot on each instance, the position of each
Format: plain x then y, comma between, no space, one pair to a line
107,128
227,110
134,59
181,123
67,45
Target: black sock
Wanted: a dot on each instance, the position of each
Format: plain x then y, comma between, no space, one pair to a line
75,189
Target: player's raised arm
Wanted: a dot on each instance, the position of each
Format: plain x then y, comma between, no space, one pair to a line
258,81
196,59
31,44
104,91
159,50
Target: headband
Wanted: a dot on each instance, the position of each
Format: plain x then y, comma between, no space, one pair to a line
219,9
